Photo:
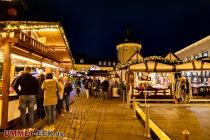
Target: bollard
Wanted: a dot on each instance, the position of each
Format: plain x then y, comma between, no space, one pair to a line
147,128
134,108
185,134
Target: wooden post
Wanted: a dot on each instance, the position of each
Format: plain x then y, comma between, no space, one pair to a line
6,84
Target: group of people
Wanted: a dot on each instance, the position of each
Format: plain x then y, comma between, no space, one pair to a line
182,90
44,90
93,87
51,95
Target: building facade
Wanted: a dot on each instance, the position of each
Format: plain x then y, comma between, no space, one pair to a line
198,49
84,64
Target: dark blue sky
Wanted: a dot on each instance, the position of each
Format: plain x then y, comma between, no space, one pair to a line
94,27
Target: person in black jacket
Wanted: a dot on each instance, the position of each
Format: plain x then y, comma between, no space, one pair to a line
67,89
40,96
27,95
105,87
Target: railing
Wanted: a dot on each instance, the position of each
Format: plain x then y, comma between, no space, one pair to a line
30,41
34,44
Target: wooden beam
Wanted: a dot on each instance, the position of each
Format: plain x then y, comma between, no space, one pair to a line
6,84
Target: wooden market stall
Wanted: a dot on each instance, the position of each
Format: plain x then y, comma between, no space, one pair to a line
42,45
153,74
197,71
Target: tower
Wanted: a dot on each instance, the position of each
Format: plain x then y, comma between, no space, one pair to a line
127,46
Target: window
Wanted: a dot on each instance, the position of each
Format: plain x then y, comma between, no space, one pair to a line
81,61
196,56
114,63
109,63
204,54
99,63
104,63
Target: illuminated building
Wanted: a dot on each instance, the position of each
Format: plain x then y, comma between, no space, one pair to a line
41,45
198,49
83,63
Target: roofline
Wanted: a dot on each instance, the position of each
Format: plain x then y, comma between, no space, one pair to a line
60,27
30,22
194,45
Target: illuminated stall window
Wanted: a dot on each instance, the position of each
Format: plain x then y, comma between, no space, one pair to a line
204,54
19,62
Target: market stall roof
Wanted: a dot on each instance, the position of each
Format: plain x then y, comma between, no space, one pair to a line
153,64
98,73
196,64
172,56
50,34
136,56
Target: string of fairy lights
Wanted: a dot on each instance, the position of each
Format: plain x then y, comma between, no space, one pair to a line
35,26
159,59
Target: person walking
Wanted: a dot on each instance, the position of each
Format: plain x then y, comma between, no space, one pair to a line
105,87
50,87
78,86
40,96
86,88
67,90
27,96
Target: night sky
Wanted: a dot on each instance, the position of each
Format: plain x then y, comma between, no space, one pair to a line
94,27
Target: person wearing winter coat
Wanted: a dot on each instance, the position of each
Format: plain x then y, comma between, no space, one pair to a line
50,87
40,96
67,90
27,96
105,87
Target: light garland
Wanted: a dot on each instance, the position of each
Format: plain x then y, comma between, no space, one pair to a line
150,58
